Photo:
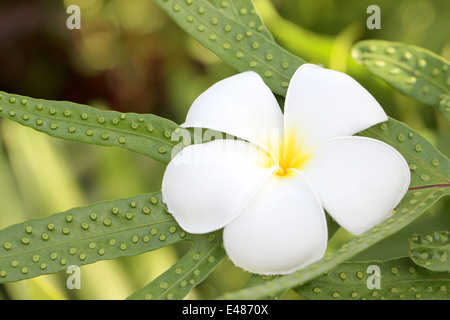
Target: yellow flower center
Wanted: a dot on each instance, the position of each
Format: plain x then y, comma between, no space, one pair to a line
290,156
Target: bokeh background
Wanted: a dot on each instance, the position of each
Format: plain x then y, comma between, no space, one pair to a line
129,56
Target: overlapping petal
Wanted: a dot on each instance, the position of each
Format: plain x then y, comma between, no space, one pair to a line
206,185
359,180
282,229
323,103
241,105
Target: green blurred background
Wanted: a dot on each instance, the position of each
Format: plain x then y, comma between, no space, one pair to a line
129,56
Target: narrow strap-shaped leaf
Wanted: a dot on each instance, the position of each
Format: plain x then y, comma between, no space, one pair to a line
257,279
398,279
145,134
244,12
431,252
234,42
417,200
104,230
416,72
202,258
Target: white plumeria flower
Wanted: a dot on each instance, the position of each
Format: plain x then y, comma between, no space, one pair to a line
272,206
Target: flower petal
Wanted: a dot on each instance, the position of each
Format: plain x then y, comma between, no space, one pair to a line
282,229
359,180
323,103
206,185
241,105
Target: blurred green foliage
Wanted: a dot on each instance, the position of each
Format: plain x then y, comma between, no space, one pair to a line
128,56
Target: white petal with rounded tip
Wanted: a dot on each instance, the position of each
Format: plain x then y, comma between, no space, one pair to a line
281,230
323,103
359,180
241,105
206,185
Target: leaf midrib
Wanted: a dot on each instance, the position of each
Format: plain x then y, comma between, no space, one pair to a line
91,125
431,247
385,283
84,238
405,66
